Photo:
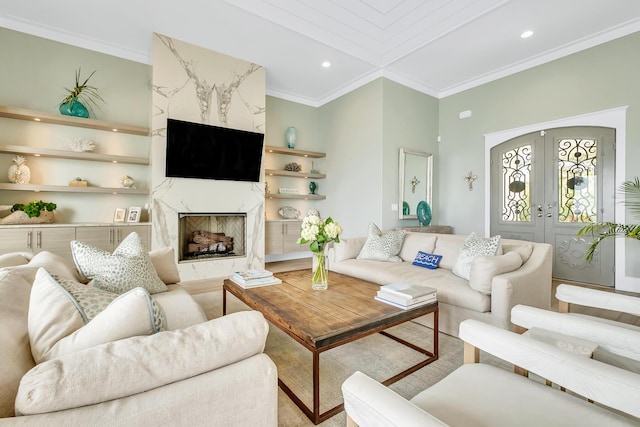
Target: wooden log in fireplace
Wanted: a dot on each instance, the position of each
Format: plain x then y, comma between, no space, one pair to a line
209,242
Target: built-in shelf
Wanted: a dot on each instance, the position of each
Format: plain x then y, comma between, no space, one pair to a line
275,172
296,196
69,189
74,155
59,119
294,152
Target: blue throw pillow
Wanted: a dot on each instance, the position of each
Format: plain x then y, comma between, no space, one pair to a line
426,260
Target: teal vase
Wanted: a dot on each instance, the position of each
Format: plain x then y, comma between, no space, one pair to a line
313,187
74,108
290,136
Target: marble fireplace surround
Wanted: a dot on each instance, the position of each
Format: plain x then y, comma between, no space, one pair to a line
194,84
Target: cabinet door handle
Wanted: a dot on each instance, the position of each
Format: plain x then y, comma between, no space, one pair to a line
28,239
38,239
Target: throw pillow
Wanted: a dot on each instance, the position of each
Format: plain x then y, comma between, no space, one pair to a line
382,246
53,314
15,258
472,247
427,260
484,268
66,316
164,261
131,314
127,268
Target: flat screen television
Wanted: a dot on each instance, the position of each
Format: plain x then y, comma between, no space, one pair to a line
196,150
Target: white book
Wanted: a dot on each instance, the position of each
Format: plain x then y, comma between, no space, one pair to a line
407,290
403,299
252,274
271,281
407,307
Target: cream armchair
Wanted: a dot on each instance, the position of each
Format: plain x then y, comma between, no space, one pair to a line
484,395
616,343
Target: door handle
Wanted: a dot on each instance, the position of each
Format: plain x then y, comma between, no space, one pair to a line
38,239
29,240
539,211
549,215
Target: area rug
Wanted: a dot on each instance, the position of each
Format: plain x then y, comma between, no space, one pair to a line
376,355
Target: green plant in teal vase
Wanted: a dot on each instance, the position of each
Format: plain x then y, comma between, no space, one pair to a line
81,97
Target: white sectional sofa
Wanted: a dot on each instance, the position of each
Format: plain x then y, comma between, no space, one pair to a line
488,295
196,372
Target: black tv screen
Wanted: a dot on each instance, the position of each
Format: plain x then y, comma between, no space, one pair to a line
196,150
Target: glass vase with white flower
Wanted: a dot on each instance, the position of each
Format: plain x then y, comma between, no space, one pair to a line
318,232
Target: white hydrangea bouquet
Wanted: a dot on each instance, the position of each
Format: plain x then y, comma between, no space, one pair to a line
318,232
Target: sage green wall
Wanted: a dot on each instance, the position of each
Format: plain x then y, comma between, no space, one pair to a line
410,120
33,75
596,79
361,133
351,127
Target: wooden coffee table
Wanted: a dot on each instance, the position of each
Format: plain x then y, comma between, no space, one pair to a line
322,320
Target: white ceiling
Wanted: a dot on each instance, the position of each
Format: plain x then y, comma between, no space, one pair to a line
439,47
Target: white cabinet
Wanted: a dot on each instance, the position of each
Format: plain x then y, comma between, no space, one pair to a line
36,239
281,237
109,237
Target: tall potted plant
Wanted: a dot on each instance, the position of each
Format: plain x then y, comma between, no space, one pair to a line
603,230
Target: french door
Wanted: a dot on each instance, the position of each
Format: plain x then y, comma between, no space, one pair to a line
547,185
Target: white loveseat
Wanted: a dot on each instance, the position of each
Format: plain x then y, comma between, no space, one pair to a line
489,295
196,372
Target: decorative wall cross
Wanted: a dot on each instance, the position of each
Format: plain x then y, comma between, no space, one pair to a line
470,178
414,181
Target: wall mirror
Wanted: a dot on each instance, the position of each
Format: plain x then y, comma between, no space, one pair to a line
415,181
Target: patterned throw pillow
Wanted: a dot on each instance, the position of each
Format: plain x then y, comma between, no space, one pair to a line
382,246
426,260
472,247
127,268
66,316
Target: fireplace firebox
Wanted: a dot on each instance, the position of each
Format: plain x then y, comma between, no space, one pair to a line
203,236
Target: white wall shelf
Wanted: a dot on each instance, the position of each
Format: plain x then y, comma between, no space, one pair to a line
276,172
296,196
294,152
74,155
59,119
69,189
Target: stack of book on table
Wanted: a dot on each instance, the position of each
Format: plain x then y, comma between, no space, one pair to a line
406,295
254,278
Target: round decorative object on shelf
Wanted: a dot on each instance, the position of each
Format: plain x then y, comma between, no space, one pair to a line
423,213
406,210
19,172
290,136
74,108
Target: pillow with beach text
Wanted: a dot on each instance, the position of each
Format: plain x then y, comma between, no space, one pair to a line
427,260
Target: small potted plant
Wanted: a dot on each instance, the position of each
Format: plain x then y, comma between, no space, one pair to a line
35,212
81,97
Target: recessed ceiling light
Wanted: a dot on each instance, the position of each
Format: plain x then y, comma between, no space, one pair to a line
326,64
526,34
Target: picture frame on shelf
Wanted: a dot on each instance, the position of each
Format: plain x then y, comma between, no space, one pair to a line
119,215
134,214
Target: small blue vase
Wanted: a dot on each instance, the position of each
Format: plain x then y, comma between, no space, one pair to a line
74,108
313,187
290,136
